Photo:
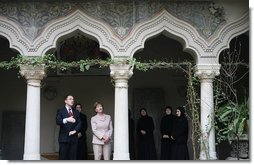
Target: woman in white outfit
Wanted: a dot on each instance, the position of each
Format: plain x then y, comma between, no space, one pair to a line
102,132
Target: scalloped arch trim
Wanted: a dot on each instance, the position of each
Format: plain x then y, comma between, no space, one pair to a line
177,29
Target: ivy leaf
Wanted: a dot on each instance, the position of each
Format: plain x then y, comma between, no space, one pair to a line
87,67
81,66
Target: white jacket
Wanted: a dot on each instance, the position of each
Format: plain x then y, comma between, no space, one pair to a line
101,126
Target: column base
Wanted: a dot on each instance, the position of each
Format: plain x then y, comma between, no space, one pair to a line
32,157
211,156
121,156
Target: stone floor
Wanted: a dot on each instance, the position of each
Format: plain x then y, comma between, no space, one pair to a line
232,158
54,156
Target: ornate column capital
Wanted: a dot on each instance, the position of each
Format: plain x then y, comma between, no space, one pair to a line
207,71
33,74
121,73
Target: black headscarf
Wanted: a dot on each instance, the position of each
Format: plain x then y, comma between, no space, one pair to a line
144,110
182,110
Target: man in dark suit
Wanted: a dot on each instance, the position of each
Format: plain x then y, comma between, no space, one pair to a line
82,146
69,120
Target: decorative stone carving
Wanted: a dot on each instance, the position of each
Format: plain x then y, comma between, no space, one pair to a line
118,14
121,71
120,36
122,16
33,16
121,74
207,72
33,74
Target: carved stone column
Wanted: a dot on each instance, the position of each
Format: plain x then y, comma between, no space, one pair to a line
33,75
121,74
206,74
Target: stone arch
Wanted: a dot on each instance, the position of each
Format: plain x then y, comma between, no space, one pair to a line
187,35
13,34
167,24
163,22
228,32
90,27
56,29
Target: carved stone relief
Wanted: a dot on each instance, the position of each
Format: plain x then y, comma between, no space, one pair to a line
121,15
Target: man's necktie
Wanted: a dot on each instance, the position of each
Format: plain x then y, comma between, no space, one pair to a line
69,112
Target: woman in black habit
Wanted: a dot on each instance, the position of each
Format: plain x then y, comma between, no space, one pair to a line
145,127
166,128
131,137
180,136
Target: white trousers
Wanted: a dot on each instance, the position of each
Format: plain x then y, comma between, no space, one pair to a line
99,149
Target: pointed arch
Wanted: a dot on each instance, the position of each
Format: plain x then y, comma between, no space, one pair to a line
13,34
228,32
78,20
56,29
186,34
176,29
163,22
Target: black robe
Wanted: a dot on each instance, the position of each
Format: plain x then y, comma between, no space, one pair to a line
180,134
146,149
166,128
131,139
82,145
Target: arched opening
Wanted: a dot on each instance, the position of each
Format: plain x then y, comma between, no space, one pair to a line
234,89
77,46
13,107
87,87
238,52
155,89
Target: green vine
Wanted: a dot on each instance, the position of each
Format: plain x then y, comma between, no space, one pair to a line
50,62
193,103
193,100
